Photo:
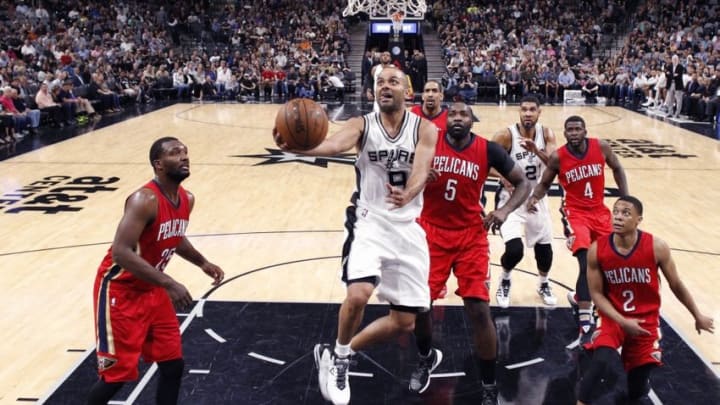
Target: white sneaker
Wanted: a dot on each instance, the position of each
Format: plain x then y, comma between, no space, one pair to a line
323,361
546,294
338,382
503,294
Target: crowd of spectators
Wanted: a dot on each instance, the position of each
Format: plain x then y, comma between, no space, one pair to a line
509,49
88,57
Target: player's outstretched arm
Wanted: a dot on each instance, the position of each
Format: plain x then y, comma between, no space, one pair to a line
614,163
667,265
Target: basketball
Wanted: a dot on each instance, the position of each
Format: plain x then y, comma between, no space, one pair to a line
302,123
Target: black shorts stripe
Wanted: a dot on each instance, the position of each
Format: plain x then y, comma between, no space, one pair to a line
567,229
101,307
350,220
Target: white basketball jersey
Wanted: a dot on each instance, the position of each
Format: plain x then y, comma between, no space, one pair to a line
530,164
383,160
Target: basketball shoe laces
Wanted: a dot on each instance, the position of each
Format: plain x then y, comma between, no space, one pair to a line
341,369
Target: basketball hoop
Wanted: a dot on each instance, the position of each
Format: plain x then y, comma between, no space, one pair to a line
386,9
397,23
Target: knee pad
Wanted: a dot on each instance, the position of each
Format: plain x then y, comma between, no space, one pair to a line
543,257
171,368
514,251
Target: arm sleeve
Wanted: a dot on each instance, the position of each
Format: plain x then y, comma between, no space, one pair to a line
499,159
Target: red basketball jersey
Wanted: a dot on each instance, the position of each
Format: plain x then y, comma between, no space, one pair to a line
583,178
453,200
440,119
631,282
157,241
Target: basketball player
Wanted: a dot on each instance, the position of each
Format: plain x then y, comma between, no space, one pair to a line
625,286
458,241
385,247
580,165
431,108
529,144
385,61
133,297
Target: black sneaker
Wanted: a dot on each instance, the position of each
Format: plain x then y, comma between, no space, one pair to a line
420,378
490,395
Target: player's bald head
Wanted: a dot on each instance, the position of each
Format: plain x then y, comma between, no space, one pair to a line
391,71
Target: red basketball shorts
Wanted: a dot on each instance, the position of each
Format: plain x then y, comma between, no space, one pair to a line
130,323
636,350
582,227
464,251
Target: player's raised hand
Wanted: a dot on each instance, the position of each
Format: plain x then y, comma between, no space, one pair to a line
705,323
632,327
530,145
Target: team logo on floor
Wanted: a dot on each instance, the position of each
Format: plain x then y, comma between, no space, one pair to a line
54,194
639,148
275,156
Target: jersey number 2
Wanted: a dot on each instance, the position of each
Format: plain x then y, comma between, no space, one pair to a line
629,298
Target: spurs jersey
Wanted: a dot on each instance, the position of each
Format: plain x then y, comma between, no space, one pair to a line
583,177
382,160
158,240
530,164
631,281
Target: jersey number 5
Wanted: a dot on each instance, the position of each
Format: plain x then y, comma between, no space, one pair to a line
450,189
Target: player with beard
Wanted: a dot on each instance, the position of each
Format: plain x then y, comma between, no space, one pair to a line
458,240
385,248
580,167
133,296
529,144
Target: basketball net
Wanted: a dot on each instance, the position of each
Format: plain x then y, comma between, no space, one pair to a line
385,9
397,23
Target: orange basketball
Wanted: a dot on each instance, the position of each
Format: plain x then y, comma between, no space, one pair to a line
302,123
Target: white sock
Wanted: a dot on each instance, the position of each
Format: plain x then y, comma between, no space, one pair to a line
342,350
506,275
542,279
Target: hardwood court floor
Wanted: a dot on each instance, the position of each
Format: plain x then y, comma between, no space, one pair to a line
257,207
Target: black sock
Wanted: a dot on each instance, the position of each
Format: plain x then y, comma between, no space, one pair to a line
487,371
102,392
168,387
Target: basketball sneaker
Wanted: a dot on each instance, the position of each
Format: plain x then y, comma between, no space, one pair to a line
420,378
545,292
338,382
503,294
490,395
323,361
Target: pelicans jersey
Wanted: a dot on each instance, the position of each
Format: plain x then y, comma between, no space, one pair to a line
585,216
134,318
440,119
537,226
632,284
